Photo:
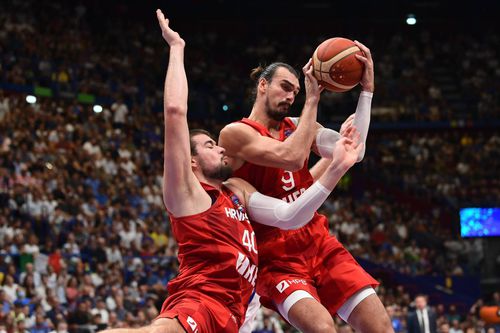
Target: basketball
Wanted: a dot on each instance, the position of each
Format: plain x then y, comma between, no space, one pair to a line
490,314
336,66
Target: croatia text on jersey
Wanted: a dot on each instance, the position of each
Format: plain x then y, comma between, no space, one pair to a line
246,269
236,214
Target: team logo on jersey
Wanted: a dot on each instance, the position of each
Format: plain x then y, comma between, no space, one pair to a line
237,203
239,213
288,132
192,324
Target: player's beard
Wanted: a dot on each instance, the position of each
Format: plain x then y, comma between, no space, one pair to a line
223,172
276,114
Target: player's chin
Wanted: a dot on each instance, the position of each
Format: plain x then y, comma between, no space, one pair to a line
284,108
278,114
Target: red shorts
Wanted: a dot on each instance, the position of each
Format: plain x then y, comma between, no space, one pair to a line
309,259
198,313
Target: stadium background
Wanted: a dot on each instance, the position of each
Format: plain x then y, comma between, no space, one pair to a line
84,238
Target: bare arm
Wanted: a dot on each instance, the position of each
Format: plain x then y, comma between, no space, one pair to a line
245,143
319,168
181,189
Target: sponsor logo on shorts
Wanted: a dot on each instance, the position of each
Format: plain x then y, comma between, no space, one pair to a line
283,285
192,324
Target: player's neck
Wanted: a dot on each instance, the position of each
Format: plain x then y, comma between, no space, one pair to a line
209,181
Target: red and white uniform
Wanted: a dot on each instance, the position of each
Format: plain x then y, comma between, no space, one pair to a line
308,258
218,266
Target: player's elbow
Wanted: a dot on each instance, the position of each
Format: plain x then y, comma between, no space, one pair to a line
294,160
173,109
291,219
295,166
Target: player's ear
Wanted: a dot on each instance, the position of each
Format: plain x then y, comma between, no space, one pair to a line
194,163
262,85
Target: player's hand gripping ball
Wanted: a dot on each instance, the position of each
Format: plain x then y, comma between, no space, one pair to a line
336,66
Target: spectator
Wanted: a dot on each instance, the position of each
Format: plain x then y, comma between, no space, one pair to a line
120,112
61,327
423,318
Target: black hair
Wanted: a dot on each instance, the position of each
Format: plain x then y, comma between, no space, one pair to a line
194,132
268,73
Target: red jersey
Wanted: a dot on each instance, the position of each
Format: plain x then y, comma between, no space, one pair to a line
308,258
217,253
276,182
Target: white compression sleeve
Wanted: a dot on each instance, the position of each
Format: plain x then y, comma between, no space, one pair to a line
325,141
362,118
278,213
326,138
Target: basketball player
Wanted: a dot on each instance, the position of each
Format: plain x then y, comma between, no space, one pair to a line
305,274
217,249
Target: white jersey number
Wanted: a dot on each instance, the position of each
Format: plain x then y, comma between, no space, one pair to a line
249,241
288,181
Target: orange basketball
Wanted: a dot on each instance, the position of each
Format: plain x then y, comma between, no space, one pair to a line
490,314
336,66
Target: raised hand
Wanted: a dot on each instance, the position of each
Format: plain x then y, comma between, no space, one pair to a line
313,89
346,125
171,37
368,79
347,149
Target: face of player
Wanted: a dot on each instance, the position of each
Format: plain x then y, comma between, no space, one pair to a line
210,158
280,93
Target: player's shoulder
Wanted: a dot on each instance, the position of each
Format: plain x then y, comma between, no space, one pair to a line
239,186
235,126
237,129
235,184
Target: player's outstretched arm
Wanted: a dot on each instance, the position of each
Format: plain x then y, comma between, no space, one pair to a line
331,137
363,109
244,143
325,137
319,168
180,186
278,213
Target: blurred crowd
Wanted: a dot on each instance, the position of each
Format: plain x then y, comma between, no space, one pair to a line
84,238
419,77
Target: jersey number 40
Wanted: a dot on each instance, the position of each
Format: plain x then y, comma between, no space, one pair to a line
249,241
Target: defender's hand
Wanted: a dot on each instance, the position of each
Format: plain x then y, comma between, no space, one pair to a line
347,149
170,36
346,125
